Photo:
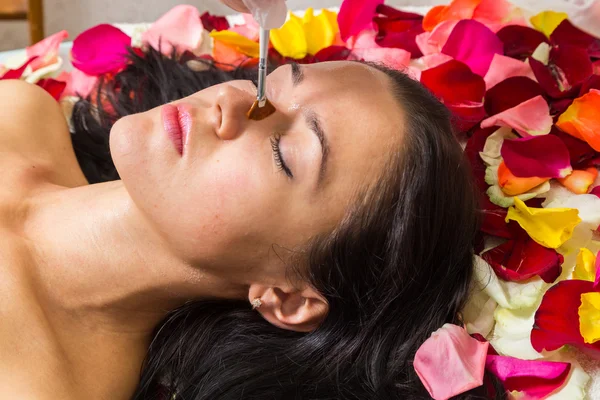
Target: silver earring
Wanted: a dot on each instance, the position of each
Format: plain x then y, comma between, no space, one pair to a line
256,303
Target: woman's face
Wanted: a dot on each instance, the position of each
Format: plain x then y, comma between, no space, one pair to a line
228,200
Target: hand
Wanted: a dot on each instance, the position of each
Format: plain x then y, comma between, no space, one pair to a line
237,5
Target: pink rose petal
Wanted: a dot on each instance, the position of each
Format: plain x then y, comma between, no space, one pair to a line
433,60
433,42
544,156
503,67
78,83
597,280
530,118
535,379
46,50
249,28
101,49
179,29
356,16
450,362
474,44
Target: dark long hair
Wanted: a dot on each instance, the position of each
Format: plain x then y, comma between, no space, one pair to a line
396,268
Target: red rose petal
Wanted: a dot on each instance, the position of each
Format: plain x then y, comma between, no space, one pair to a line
18,73
567,69
52,86
579,151
510,93
333,53
398,29
474,44
557,318
522,258
213,22
459,89
520,41
543,156
593,82
566,34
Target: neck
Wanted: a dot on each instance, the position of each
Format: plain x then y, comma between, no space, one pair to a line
97,255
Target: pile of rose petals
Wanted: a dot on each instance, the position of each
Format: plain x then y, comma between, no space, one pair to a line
525,97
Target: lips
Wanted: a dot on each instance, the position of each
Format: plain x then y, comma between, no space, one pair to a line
177,122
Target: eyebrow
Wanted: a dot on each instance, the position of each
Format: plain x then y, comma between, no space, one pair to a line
297,74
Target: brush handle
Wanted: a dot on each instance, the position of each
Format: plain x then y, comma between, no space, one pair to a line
262,67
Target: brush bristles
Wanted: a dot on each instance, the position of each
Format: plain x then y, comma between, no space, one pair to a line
257,113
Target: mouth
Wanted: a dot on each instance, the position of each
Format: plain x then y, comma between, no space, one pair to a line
177,122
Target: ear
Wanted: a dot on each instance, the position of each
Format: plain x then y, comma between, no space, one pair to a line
290,308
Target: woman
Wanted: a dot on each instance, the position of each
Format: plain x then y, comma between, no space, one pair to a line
305,256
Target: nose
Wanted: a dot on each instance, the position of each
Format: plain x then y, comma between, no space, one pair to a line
231,105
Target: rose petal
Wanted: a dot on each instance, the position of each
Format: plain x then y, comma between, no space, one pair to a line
456,10
249,29
580,152
356,16
579,181
503,67
588,207
320,31
535,379
542,156
557,318
567,34
547,21
522,258
78,83
213,22
582,119
589,317
550,227
474,44
585,269
450,362
568,67
478,313
333,53
99,50
531,118
290,39
496,14
520,41
459,89
46,50
513,326
512,185
52,86
180,29
433,42
398,29
510,93
17,73
575,387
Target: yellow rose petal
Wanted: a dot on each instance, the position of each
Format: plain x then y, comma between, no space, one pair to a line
238,42
585,269
550,227
319,31
547,21
589,317
289,40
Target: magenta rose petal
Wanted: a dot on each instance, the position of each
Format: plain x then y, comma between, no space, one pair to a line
520,41
534,379
530,118
356,16
543,156
474,44
510,93
99,50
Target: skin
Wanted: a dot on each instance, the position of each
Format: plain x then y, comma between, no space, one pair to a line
98,266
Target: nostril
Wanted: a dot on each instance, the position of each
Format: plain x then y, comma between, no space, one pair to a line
219,117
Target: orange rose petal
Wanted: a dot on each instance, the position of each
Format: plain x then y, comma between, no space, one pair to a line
434,17
582,119
456,10
579,181
512,185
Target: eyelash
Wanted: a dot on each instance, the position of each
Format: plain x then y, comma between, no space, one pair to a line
275,139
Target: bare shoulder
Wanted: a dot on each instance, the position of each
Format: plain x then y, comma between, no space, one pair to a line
34,132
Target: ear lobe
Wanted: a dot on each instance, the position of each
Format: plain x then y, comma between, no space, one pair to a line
300,311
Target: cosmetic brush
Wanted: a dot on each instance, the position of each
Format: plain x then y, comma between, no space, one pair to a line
262,107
